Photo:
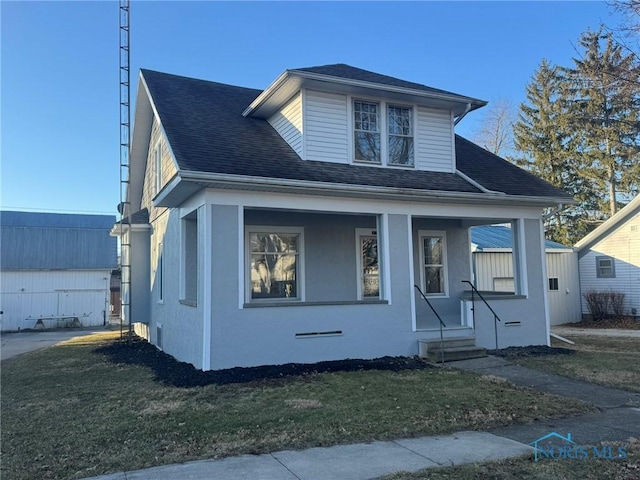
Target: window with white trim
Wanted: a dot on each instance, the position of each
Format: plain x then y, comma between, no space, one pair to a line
605,267
383,133
368,264
189,260
157,168
366,131
433,261
400,142
160,274
274,263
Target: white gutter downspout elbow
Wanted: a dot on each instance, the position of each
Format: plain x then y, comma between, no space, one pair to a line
558,209
462,115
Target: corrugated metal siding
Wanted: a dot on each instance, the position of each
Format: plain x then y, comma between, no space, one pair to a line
491,265
564,304
33,294
288,123
326,135
80,242
434,141
623,245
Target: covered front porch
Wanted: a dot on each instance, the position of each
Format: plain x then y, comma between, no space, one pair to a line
296,280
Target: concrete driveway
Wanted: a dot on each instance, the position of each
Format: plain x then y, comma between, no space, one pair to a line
14,344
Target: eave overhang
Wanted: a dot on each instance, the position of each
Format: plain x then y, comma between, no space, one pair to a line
292,81
186,183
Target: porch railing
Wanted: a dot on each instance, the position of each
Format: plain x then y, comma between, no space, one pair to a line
496,318
442,324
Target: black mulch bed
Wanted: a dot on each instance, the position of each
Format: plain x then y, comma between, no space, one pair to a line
530,351
179,374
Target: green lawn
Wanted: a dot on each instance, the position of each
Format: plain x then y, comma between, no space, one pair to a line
614,362
524,468
68,412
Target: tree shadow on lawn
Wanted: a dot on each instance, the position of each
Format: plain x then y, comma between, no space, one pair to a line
171,372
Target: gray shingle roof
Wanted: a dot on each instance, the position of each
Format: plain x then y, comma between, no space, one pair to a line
52,241
206,130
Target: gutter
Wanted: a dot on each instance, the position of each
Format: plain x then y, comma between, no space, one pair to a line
336,189
477,185
462,115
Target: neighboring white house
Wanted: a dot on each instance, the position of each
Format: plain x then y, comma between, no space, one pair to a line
55,268
609,257
291,224
493,266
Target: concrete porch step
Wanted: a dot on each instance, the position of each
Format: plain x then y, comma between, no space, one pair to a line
451,342
452,354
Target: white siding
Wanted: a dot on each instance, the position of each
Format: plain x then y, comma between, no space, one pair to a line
564,303
288,123
326,127
33,294
493,268
623,245
434,141
168,170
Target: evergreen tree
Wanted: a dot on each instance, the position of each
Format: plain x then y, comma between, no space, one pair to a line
604,116
543,138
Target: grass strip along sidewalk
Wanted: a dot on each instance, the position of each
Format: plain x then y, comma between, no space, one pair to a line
95,405
608,361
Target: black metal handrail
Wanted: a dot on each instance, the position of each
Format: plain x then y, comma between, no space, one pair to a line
473,309
442,324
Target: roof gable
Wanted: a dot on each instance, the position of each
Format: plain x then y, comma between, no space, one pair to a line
609,226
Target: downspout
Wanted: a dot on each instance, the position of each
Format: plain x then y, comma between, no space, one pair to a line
462,115
553,212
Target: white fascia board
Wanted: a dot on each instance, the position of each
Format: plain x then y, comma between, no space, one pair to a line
143,121
246,182
297,79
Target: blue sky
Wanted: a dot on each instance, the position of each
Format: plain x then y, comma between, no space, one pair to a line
59,67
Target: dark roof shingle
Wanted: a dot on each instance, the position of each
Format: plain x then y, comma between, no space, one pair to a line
206,130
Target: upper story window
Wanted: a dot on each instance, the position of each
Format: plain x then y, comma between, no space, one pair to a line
157,166
383,134
366,138
400,135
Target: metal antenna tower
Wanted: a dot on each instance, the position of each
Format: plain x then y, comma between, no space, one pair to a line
125,145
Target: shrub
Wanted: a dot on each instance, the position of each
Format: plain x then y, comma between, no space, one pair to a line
616,303
597,302
601,304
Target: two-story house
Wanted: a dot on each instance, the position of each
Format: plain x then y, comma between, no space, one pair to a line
291,224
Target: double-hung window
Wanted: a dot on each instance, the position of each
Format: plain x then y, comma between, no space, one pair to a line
605,267
433,256
383,134
400,142
275,268
366,138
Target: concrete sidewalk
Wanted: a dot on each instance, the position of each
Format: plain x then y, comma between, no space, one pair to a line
618,420
359,461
